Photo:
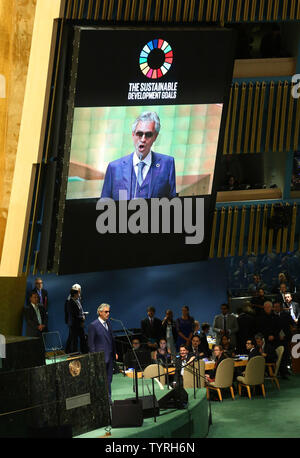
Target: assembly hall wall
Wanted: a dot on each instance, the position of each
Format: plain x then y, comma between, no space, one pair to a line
199,285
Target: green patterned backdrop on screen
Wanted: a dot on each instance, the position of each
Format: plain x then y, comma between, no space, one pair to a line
189,133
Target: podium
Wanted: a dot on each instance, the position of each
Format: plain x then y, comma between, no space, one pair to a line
71,394
22,352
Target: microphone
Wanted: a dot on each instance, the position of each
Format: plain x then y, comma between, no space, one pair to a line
114,319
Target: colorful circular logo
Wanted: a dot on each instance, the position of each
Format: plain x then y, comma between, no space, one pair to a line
156,58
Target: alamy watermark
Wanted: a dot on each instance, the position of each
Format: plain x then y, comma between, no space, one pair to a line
2,346
296,348
186,217
296,87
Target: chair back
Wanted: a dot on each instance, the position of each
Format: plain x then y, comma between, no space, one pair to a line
189,378
153,370
224,373
255,371
279,351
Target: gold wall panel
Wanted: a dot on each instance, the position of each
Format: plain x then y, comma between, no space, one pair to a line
13,293
16,25
246,231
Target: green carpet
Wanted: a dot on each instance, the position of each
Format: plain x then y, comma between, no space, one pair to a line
191,422
276,416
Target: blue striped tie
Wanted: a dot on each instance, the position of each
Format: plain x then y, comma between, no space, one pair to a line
141,165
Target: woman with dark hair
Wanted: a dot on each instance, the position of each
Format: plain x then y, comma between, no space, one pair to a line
169,331
184,328
162,354
218,354
229,350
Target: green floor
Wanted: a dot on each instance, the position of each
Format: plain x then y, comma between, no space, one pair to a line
276,416
187,423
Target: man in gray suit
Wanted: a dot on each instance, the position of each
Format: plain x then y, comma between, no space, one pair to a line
226,323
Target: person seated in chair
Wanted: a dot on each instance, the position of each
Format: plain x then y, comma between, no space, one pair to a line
219,356
229,350
137,356
203,339
183,358
196,347
265,349
162,355
252,349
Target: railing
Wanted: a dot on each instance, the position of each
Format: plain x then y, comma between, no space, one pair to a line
189,11
253,229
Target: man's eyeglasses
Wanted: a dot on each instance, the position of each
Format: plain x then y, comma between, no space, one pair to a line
140,134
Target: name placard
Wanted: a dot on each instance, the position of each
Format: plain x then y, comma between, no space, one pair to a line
78,401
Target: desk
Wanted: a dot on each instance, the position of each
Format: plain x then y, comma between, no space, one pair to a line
209,365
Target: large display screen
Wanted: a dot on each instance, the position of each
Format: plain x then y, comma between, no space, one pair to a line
101,135
145,124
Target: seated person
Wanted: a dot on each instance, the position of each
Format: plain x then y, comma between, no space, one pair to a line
203,339
138,351
265,349
252,351
196,348
229,350
162,354
181,361
218,355
256,284
251,348
231,184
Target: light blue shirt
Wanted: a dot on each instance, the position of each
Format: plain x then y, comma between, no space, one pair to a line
147,161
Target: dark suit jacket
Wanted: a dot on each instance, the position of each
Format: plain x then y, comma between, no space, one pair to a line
153,331
296,308
267,325
162,178
246,330
285,322
253,352
269,349
44,298
73,314
101,340
178,367
204,345
32,322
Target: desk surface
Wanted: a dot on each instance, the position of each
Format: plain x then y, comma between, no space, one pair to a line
209,365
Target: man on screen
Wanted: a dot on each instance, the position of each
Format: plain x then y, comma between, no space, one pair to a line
143,173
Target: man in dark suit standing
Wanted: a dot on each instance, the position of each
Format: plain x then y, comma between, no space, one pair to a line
100,338
42,293
143,173
75,318
35,317
151,329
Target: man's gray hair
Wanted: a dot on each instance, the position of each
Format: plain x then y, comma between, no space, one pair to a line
268,303
102,307
148,116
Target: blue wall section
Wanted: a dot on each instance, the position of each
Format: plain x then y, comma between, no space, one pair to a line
200,285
